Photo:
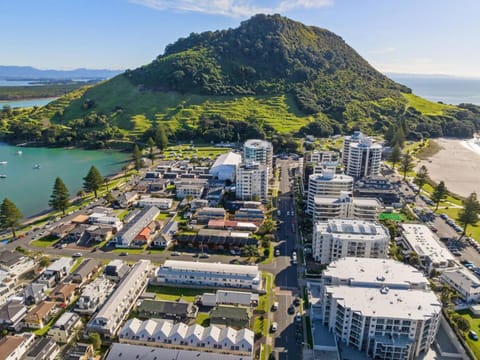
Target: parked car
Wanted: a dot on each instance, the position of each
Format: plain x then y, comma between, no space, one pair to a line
291,310
277,252
274,327
124,253
275,306
298,317
175,253
473,335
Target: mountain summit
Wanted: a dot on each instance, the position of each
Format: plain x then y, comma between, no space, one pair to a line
271,77
268,54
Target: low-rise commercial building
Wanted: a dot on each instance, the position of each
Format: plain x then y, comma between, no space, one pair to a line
379,306
464,282
338,238
225,166
165,333
202,274
421,240
108,320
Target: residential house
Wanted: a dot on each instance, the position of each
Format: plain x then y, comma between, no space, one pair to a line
161,203
65,327
94,295
108,320
34,293
157,185
64,293
464,282
165,238
229,297
201,274
127,198
190,187
233,316
116,270
218,239
206,214
85,271
38,316
127,235
12,314
56,271
43,348
128,351
145,236
63,230
178,311
15,263
250,215
81,351
165,333
198,204
13,347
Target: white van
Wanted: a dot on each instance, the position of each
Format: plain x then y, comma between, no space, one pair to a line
275,306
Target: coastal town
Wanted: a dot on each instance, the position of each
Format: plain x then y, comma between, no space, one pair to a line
248,253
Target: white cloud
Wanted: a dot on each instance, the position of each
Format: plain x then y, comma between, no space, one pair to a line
232,8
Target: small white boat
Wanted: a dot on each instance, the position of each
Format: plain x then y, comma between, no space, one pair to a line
36,166
3,162
3,176
19,152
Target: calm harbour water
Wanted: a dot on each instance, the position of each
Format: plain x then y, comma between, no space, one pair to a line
30,188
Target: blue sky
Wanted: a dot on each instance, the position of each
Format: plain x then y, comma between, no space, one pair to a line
405,36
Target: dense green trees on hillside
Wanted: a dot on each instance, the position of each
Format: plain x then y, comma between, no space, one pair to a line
312,69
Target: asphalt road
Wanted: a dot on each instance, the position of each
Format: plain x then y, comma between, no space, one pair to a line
285,272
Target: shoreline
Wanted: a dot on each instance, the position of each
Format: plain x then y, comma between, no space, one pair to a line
457,163
49,211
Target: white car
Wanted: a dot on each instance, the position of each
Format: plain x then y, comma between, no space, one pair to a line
274,327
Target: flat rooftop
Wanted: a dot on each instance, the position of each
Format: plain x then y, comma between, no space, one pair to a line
422,240
212,267
392,303
384,272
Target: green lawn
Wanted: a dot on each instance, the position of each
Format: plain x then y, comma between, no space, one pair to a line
269,259
174,293
163,216
426,107
203,319
76,265
475,326
45,241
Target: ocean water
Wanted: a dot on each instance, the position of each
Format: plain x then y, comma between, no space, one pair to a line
26,103
30,188
449,90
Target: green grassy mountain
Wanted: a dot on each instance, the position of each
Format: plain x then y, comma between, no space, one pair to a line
270,77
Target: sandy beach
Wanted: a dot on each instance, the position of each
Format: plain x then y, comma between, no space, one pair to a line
457,164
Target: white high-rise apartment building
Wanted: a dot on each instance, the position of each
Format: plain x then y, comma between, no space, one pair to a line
379,306
361,156
260,151
327,184
252,181
345,207
338,238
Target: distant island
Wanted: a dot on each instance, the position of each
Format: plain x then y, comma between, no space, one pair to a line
271,77
31,73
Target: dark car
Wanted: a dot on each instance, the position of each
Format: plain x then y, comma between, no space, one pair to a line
123,253
291,310
296,302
